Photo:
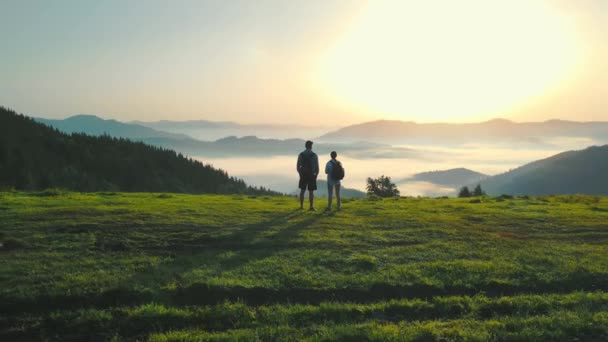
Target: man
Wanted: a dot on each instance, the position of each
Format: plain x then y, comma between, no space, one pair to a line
308,169
335,174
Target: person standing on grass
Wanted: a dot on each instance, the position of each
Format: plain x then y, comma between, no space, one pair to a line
335,174
308,169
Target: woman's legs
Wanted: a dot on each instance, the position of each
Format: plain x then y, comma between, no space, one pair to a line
338,200
329,195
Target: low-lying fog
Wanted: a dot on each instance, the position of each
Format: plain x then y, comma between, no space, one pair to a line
279,172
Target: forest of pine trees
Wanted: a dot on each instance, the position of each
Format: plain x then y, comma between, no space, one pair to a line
35,157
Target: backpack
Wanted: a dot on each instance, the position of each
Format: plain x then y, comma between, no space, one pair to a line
306,165
337,171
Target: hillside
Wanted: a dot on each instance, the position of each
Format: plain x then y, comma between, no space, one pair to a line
35,156
158,267
93,125
452,178
573,172
493,131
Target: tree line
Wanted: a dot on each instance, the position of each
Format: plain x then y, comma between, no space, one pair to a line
34,156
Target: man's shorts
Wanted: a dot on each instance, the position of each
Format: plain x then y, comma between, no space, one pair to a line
308,182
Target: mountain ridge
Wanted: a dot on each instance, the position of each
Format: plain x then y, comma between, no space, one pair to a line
571,172
95,125
248,145
495,130
452,177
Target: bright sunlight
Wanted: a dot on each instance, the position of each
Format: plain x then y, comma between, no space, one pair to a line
449,60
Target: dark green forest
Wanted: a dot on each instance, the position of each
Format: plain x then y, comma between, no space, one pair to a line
34,156
567,173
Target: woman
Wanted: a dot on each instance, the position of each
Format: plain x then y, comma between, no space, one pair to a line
335,173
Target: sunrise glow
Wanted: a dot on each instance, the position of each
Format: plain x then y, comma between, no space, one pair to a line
449,60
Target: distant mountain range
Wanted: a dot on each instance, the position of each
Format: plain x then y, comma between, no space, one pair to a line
168,125
212,130
34,156
573,172
251,146
94,125
231,146
49,158
494,131
451,178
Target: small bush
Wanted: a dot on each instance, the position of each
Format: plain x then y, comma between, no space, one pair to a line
464,192
164,196
382,186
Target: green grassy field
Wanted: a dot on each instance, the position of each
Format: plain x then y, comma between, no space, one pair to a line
167,267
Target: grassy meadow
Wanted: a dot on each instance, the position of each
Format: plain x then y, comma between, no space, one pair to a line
170,267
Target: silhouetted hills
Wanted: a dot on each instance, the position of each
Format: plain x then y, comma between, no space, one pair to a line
231,146
573,172
94,125
497,130
251,146
212,130
167,125
34,156
452,178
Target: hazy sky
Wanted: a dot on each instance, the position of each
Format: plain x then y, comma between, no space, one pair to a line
309,61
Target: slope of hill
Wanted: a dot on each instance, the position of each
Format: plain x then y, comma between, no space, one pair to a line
93,125
150,267
453,177
35,156
497,130
573,172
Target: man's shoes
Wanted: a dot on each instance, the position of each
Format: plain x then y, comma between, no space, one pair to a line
312,209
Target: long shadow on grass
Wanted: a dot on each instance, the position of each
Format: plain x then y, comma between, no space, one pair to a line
144,286
266,238
252,242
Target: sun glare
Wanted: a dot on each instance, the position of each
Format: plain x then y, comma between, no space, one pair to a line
449,60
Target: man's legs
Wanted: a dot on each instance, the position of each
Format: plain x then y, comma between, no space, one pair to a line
302,191
311,198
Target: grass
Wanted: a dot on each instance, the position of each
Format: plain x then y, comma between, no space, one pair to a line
171,267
